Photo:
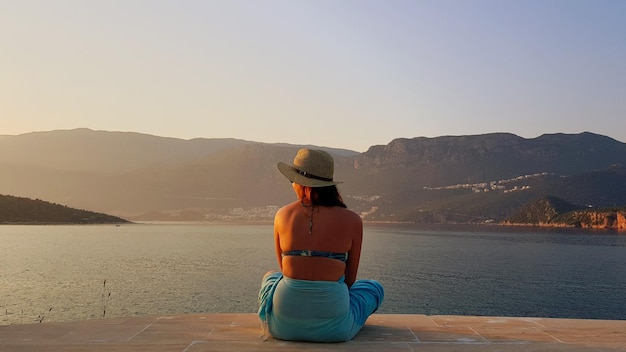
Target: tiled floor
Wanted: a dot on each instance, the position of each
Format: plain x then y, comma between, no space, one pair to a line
383,332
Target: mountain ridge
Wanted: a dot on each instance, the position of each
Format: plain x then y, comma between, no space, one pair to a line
474,178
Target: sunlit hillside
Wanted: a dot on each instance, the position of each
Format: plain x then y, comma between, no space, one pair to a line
478,178
19,210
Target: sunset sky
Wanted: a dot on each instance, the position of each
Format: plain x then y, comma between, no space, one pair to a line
345,74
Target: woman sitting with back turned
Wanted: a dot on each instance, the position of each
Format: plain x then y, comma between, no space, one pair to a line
318,240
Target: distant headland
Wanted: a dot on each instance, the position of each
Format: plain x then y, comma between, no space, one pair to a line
554,212
19,210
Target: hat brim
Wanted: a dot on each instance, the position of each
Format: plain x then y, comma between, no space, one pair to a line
293,176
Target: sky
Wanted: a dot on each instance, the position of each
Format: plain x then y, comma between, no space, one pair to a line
335,73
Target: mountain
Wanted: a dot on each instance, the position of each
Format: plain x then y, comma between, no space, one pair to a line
478,178
552,211
543,211
487,177
129,173
606,218
18,210
483,158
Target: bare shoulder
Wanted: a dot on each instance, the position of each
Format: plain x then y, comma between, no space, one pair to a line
287,209
351,217
356,217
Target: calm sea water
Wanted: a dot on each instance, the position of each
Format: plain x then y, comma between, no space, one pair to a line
58,273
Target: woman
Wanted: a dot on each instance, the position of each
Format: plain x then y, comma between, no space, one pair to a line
315,296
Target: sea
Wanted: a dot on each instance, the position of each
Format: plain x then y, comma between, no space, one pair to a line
76,272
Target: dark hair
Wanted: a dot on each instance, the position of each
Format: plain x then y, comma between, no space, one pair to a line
327,196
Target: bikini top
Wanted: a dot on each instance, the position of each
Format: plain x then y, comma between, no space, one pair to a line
309,253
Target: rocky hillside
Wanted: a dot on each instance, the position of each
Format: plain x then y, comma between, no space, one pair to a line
611,218
450,160
542,211
552,211
480,178
487,178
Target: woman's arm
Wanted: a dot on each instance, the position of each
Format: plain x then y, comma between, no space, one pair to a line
354,255
277,248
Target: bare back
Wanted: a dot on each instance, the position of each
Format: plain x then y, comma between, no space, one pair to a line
334,229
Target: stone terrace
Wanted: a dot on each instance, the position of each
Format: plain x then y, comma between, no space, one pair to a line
383,332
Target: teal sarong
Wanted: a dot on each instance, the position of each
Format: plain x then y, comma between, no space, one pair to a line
317,311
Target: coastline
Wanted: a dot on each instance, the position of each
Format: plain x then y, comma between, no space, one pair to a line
619,226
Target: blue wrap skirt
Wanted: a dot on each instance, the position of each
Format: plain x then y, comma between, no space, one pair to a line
318,311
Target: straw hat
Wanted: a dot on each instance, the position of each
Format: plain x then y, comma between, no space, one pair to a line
311,168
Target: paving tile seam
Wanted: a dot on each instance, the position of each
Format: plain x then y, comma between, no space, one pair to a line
536,322
475,343
140,331
269,342
456,343
478,334
193,343
430,317
210,332
417,339
548,334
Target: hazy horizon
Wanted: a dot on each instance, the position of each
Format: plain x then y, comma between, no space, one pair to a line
343,74
279,142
